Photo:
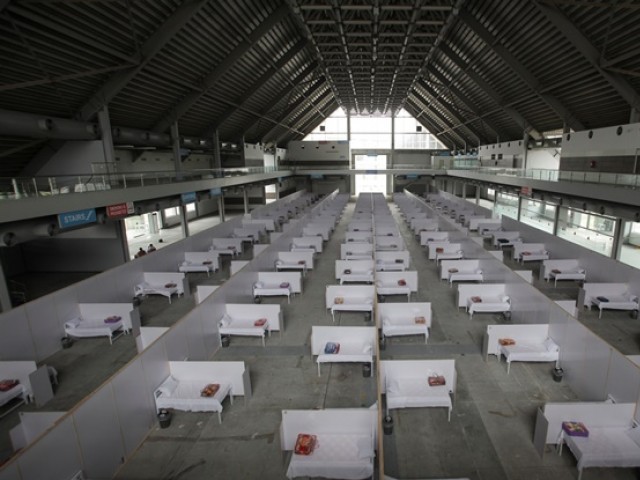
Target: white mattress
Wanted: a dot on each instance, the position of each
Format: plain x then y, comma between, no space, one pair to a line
349,352
17,391
272,291
244,327
195,267
357,277
616,302
156,290
488,304
404,326
605,447
390,267
521,352
353,305
568,275
392,289
416,393
83,328
465,276
534,256
335,456
186,397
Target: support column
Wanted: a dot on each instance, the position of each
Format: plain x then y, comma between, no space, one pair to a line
634,116
104,122
245,196
618,233
393,140
122,232
184,223
217,158
519,207
477,194
525,150
175,147
464,190
5,297
152,222
277,192
221,208
556,220
348,126
243,160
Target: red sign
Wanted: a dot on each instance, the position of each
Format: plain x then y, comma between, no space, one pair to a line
120,210
526,191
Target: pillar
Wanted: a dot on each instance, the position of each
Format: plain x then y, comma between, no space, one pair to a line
152,221
245,196
5,297
122,233
618,233
556,220
175,147
217,158
277,192
519,207
184,223
105,131
477,194
221,208
525,149
464,190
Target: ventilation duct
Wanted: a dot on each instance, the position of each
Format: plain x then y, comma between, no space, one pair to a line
21,232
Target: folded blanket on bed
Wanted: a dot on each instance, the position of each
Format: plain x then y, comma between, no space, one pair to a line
420,320
8,384
502,240
260,322
436,380
603,299
402,283
476,299
331,348
73,323
112,319
284,285
506,341
453,270
555,270
170,285
575,429
305,444
210,390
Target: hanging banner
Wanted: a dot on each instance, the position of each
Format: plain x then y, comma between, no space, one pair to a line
215,192
78,217
189,197
120,210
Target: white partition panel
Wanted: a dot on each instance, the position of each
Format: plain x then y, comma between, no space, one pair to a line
155,365
572,354
623,381
54,456
98,430
46,327
16,342
196,338
176,342
10,472
597,359
31,426
136,411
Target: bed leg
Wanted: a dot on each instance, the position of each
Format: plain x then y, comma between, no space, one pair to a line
508,367
219,417
318,369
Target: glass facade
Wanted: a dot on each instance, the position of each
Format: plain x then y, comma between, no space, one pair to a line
538,214
506,204
588,230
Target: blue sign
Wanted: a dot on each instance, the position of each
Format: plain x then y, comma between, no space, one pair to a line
215,192
316,176
371,171
79,217
188,197
412,176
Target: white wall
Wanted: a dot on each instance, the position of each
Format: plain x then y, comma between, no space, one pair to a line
603,141
314,151
545,158
74,158
514,147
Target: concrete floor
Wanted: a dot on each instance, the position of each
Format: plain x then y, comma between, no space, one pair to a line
491,428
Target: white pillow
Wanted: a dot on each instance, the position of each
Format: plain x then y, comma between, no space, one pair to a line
386,321
393,387
225,321
366,349
550,345
504,298
634,434
259,285
168,386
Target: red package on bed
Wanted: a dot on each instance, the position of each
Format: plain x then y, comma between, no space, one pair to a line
420,320
260,322
210,390
506,341
555,270
402,283
436,380
476,299
301,262
207,262
8,384
453,270
305,444
439,250
575,429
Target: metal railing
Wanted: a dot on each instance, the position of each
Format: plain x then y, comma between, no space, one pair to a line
17,188
627,180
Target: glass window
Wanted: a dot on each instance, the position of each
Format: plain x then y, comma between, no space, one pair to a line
538,214
630,248
506,204
333,128
591,231
411,134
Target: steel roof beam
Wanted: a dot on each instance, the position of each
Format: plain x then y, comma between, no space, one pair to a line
156,42
306,123
291,111
418,113
447,111
589,52
523,72
468,103
245,96
418,101
491,92
283,93
222,68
